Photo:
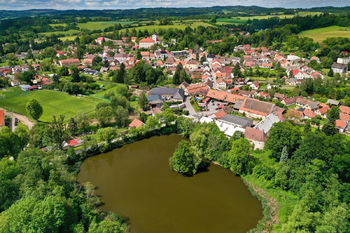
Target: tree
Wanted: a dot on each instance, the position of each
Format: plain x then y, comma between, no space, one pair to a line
333,114
82,122
143,100
1,51
238,135
152,122
237,71
121,116
9,189
59,130
96,61
185,126
283,134
284,155
177,75
138,55
240,158
120,100
75,75
22,133
120,74
334,220
72,126
307,128
107,134
184,160
34,109
31,214
331,73
329,128
27,76
63,71
104,115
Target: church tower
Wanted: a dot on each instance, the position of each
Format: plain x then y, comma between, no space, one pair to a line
154,36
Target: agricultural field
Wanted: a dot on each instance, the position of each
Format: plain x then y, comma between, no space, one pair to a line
53,102
320,34
244,19
100,25
66,33
65,38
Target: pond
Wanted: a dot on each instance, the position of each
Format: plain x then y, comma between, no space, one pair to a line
136,182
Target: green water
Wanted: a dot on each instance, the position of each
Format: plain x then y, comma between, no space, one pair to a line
136,182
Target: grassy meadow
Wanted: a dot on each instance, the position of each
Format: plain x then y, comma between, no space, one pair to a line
100,25
66,33
244,19
53,102
320,34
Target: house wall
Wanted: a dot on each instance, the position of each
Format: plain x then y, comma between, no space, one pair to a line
257,145
146,45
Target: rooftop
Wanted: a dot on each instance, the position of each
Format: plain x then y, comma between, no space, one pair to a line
237,120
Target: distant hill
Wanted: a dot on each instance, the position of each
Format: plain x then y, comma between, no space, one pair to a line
190,11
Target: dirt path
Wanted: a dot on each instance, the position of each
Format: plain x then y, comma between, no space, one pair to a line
23,119
272,203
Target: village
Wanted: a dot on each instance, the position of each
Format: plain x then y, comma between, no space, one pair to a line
218,91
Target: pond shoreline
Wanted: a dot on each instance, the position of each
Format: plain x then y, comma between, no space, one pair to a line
269,204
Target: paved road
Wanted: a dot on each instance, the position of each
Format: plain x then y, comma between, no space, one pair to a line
189,107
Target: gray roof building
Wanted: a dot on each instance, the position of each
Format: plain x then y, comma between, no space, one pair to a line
267,123
333,102
154,99
175,93
237,120
238,105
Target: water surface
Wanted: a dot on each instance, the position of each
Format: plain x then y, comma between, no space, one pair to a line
136,182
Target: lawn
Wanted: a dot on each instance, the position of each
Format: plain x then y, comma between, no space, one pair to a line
108,87
53,102
320,34
100,25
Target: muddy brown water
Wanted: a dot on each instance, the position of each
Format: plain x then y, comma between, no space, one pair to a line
135,182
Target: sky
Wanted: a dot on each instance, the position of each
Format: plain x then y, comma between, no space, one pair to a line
132,4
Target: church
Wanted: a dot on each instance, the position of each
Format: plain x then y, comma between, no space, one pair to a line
147,43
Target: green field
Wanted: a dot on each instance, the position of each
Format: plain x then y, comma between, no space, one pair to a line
64,38
244,19
177,25
100,25
53,102
66,33
58,24
320,34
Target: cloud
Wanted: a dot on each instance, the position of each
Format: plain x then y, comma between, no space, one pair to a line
131,4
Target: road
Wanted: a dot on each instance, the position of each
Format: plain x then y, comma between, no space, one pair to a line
189,107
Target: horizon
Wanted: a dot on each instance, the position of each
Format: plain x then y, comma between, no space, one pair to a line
134,4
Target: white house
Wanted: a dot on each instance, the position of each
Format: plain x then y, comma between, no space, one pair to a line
147,43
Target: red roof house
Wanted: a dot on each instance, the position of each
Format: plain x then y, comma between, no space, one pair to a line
220,114
344,109
2,118
309,114
136,123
